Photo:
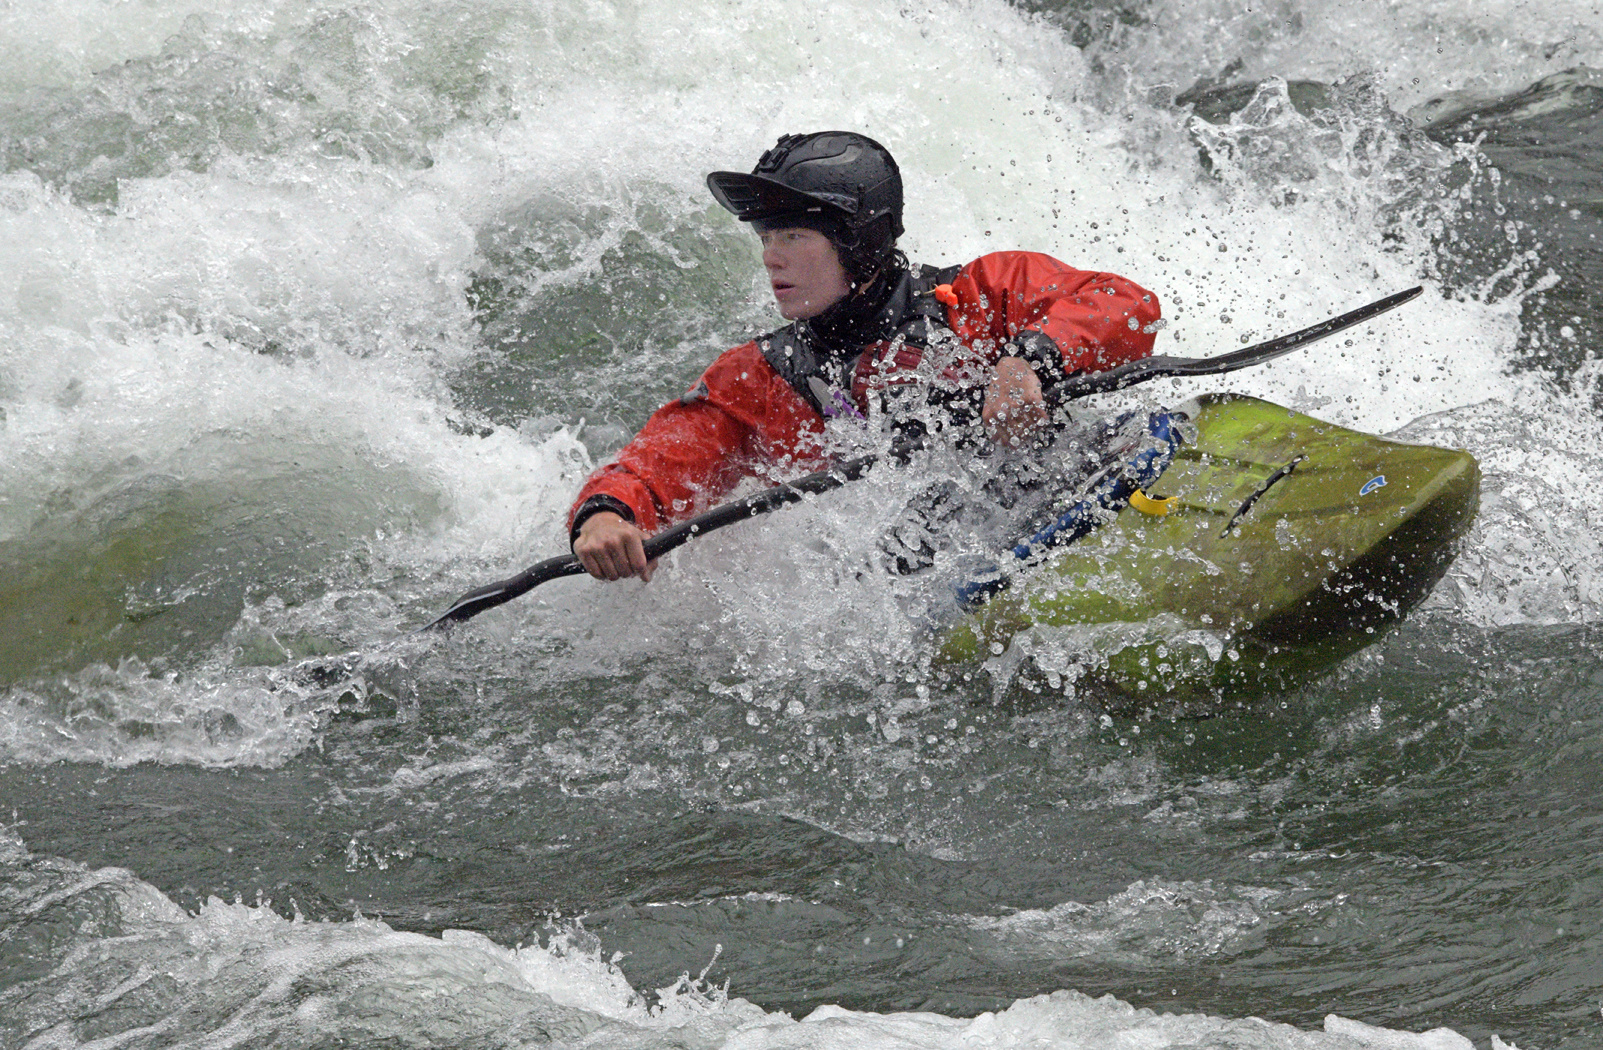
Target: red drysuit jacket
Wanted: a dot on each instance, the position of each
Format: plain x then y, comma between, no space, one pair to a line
743,418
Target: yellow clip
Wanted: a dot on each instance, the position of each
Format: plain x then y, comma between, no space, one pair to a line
1157,506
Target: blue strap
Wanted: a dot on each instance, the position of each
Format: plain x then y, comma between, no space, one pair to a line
1104,500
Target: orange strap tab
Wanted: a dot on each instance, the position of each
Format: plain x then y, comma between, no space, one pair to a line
943,293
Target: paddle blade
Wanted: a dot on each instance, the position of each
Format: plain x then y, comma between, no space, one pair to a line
1155,367
502,591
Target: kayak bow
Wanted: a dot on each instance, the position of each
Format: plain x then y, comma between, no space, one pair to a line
1282,537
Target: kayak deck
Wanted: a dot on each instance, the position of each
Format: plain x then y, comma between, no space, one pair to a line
1282,531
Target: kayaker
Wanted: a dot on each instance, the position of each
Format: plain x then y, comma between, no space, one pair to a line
870,334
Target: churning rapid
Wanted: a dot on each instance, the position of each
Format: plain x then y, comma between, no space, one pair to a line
315,315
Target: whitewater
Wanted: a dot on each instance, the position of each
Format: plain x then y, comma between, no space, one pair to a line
315,315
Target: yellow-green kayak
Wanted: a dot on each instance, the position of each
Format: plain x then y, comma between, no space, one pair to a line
1272,544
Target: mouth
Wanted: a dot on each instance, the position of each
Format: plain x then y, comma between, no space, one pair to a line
782,286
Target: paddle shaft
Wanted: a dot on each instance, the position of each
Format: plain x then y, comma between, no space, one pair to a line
489,596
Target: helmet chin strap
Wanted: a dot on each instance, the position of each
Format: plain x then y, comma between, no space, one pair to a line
894,262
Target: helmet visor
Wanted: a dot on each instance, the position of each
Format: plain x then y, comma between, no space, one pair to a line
753,197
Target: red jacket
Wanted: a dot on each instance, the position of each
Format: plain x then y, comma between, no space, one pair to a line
743,419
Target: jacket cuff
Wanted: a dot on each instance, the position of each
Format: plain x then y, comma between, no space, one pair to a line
593,506
1042,354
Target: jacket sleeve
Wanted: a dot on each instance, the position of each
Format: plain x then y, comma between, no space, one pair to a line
695,448
1060,319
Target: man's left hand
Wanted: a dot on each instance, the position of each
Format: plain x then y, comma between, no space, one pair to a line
1014,408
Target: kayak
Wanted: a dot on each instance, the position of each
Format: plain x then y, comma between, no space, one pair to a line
1266,546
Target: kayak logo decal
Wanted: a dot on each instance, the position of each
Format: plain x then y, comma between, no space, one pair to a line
1378,481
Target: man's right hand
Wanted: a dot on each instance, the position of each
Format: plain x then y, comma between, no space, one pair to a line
611,548
1014,406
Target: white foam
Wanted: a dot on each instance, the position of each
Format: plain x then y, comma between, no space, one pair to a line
47,44
290,298
233,974
300,297
1419,48
1146,923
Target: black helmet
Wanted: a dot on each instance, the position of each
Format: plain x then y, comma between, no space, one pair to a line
841,183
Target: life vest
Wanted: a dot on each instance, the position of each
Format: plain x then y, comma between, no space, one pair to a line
840,383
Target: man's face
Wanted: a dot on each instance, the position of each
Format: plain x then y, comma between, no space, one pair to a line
804,272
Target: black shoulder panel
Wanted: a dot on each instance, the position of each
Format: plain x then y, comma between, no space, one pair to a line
921,314
911,314
797,359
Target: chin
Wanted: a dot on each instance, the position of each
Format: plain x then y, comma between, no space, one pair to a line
802,310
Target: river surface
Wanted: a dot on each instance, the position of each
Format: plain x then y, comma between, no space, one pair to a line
315,315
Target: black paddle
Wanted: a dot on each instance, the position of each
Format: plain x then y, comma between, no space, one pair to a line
489,596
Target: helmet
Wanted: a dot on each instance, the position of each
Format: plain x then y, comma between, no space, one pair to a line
841,183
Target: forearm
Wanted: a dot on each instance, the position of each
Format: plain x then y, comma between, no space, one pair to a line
682,454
